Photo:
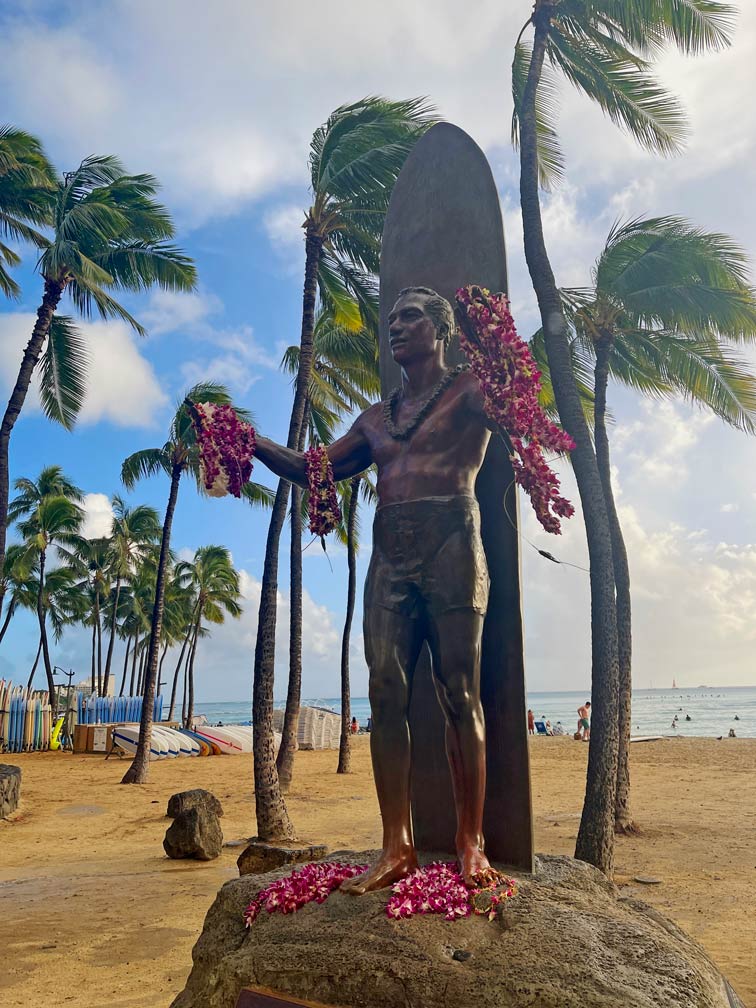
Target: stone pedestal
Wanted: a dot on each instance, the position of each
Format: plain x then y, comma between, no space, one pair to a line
565,941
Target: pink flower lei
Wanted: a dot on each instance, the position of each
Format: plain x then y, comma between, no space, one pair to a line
435,889
226,447
511,382
325,513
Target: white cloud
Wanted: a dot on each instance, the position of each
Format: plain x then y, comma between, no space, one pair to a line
98,516
122,387
172,311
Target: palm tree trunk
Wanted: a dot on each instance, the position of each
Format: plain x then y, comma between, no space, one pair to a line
595,841
290,728
184,707
50,300
111,642
190,677
623,820
273,821
178,669
125,666
137,772
93,675
8,616
345,755
34,666
133,663
43,636
98,637
160,667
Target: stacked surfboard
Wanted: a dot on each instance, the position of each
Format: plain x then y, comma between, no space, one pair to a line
25,719
169,743
318,727
94,709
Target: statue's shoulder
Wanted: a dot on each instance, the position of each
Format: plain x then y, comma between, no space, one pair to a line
370,417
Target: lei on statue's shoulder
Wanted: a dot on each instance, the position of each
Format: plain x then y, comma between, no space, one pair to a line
511,383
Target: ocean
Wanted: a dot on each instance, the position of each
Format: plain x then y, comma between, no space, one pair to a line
712,710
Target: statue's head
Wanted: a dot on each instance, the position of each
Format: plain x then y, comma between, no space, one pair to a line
421,323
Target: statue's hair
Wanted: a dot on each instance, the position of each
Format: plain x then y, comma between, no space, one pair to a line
439,311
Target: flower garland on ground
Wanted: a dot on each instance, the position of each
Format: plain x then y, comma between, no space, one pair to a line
510,382
437,888
313,883
325,513
226,447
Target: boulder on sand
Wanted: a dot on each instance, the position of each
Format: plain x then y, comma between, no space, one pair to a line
566,940
194,833
195,798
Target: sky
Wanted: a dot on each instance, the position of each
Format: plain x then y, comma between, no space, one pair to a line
219,102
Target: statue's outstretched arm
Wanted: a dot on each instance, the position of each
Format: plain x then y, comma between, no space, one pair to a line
349,456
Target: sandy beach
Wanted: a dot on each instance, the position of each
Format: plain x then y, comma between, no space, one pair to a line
94,913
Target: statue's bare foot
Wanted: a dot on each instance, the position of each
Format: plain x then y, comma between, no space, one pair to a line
475,867
390,868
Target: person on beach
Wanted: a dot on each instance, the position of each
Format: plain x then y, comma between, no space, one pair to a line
355,726
427,579
531,722
584,723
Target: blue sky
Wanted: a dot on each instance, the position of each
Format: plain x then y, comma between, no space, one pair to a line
219,103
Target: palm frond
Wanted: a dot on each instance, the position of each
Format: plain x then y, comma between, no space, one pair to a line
694,26
550,156
63,374
145,463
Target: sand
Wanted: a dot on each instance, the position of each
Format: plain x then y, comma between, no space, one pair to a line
92,912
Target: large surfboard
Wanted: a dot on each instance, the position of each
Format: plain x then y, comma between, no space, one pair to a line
444,230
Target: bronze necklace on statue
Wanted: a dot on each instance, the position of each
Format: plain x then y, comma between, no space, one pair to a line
402,433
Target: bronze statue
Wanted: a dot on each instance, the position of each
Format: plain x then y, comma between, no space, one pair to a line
427,579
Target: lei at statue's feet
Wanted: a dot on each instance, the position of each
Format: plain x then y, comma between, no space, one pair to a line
389,869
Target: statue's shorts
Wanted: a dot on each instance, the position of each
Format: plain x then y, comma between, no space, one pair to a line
428,558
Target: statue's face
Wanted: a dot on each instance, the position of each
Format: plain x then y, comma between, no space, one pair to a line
412,333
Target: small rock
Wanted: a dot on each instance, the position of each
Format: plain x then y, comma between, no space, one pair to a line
195,798
194,833
461,955
647,880
259,858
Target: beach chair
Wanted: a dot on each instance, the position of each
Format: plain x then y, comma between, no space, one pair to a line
540,727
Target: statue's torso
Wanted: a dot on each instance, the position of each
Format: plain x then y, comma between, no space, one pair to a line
442,457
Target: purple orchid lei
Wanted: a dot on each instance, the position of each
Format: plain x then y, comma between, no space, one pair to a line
511,382
226,446
325,513
437,888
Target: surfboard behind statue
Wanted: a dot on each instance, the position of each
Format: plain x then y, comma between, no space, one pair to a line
444,230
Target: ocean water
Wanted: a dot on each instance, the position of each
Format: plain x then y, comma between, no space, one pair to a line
713,710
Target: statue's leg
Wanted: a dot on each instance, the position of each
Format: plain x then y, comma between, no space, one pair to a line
392,647
455,642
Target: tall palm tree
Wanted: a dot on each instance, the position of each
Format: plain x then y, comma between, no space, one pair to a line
355,158
345,758
90,561
62,603
26,178
55,520
344,378
214,582
179,455
600,47
16,579
666,299
133,530
107,234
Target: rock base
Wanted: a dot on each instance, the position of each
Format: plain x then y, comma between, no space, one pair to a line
10,789
259,857
194,833
565,941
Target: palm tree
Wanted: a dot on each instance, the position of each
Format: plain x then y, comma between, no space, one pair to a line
355,158
26,178
345,765
178,455
344,378
132,532
55,520
108,234
90,561
665,300
51,482
17,578
62,603
600,47
214,583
